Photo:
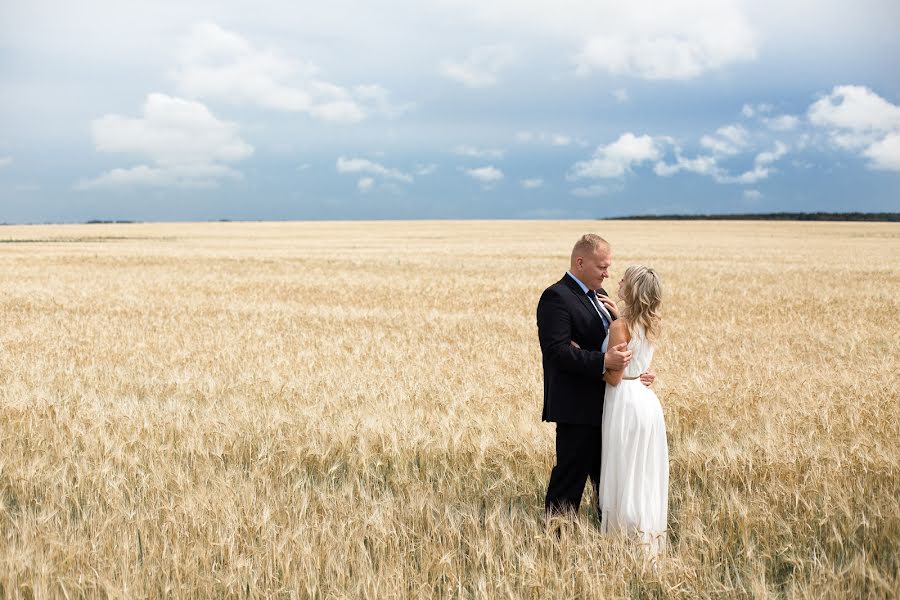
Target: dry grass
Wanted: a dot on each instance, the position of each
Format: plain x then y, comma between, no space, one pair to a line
353,410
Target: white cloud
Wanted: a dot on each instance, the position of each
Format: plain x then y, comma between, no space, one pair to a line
481,67
855,108
617,158
782,122
859,119
5,161
708,165
752,195
362,165
727,140
365,184
750,110
486,175
184,141
214,63
621,95
641,38
595,191
543,137
378,98
186,176
474,152
701,165
532,183
762,167
885,154
669,40
425,169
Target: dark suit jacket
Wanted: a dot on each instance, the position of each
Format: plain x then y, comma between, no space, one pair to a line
573,377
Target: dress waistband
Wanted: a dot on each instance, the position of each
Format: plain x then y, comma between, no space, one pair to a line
631,378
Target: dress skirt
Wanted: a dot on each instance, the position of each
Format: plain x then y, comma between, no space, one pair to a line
634,473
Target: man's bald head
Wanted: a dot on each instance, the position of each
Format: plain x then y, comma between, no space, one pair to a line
587,245
591,259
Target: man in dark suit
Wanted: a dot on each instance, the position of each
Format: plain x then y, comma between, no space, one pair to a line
577,309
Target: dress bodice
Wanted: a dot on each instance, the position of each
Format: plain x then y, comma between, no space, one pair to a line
641,353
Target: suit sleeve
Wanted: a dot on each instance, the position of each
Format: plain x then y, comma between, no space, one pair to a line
555,334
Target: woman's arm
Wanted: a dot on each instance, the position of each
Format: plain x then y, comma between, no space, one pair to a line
618,333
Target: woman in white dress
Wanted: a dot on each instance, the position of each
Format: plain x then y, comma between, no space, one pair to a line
634,473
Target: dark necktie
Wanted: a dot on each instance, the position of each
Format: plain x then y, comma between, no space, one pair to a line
596,302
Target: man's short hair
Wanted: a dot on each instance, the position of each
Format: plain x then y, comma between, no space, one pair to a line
588,244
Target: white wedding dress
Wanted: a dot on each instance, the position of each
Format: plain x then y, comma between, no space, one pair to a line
634,473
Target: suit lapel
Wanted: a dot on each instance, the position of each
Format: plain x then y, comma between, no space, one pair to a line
585,301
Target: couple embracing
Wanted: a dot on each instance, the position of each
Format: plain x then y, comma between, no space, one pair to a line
609,422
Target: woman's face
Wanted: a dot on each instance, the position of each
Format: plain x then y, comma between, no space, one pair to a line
621,292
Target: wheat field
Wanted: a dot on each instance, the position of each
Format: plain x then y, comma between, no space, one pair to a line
352,410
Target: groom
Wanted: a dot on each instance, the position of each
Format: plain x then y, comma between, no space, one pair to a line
577,309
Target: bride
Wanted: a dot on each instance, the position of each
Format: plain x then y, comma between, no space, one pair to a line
634,472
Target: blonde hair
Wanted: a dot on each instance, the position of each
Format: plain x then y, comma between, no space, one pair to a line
642,296
588,244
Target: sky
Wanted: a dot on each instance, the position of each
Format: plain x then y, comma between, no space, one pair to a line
401,109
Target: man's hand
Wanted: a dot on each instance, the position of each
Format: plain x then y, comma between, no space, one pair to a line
617,357
648,377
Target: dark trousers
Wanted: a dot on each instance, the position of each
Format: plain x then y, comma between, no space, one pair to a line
577,458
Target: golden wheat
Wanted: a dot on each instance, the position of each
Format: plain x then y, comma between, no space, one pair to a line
339,410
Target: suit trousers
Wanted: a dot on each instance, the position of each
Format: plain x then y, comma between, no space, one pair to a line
578,454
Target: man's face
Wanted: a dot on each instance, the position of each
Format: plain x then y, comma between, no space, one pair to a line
594,268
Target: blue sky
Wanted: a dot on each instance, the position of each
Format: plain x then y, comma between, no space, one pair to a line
447,109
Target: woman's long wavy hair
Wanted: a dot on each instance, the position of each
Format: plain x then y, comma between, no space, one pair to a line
642,296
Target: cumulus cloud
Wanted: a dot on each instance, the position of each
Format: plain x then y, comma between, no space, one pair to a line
486,175
670,40
885,153
762,167
377,99
782,122
422,169
214,63
363,165
858,119
595,191
532,183
365,184
543,137
752,195
475,152
616,159
621,95
708,164
701,165
727,140
184,142
641,38
5,161
480,68
728,143
750,110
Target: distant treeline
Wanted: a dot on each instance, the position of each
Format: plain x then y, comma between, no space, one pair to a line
784,216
